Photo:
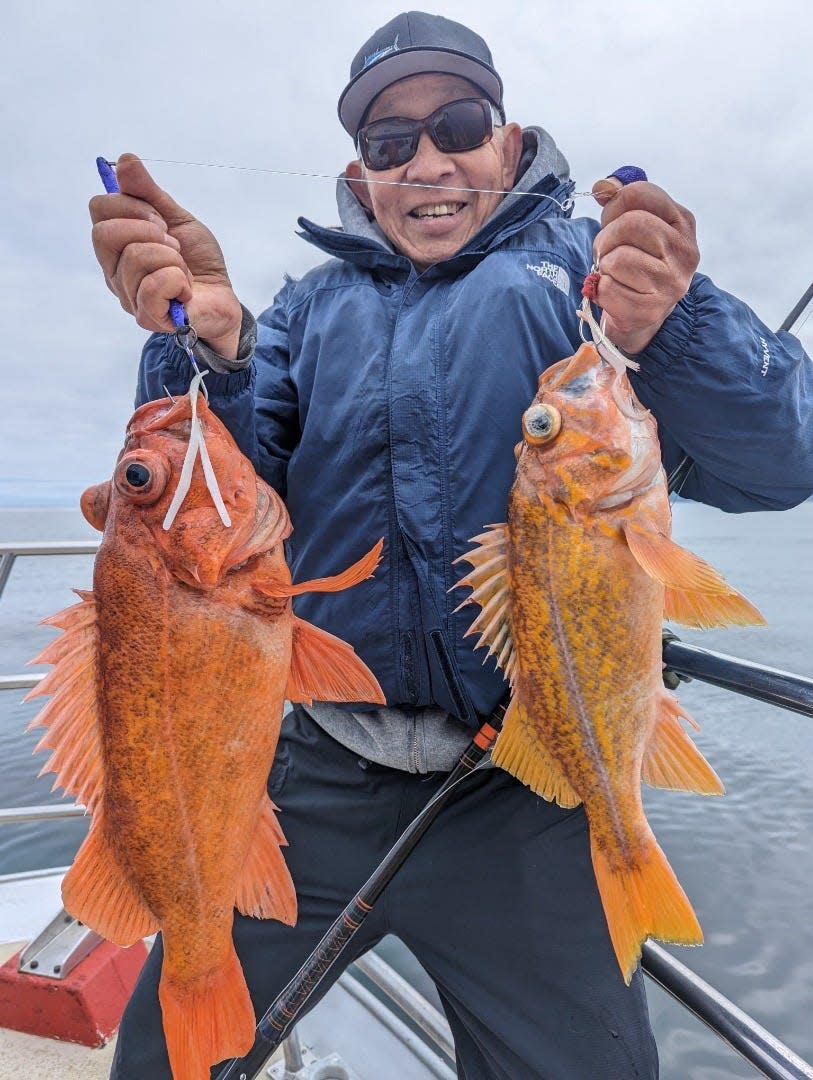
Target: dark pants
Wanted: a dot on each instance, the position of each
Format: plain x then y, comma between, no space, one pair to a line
498,902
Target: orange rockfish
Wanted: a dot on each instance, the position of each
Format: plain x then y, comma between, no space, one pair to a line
574,589
168,692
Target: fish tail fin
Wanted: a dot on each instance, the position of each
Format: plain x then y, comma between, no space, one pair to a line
643,900
208,1021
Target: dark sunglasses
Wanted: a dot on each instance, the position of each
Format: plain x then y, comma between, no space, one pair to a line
453,128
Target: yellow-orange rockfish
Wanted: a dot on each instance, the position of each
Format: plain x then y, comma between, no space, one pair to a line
574,590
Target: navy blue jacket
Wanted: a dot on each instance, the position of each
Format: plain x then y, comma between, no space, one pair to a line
386,402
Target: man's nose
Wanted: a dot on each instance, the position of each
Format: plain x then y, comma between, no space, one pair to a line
429,164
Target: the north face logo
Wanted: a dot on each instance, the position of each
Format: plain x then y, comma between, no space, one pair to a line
553,273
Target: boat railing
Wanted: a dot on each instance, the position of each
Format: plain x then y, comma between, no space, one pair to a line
767,1054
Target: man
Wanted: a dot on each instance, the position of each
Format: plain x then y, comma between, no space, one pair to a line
383,398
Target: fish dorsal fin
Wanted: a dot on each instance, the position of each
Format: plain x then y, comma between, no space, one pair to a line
489,584
519,751
265,889
671,759
72,715
98,893
696,594
325,668
354,574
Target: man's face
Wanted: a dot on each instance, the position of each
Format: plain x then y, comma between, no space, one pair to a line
401,212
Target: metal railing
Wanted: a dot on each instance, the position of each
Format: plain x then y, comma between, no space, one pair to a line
755,1044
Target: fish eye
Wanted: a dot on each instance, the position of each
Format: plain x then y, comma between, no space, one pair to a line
141,476
137,475
541,424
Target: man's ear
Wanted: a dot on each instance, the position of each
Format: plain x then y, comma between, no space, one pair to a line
512,152
354,173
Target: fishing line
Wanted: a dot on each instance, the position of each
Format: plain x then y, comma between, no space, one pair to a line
564,206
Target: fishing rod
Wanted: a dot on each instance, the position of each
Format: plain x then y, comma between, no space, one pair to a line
281,1015
796,311
771,685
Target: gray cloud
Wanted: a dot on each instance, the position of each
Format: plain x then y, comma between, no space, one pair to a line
706,96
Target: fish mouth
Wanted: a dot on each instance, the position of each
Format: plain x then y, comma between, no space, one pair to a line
271,526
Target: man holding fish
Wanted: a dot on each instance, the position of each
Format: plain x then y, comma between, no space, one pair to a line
381,395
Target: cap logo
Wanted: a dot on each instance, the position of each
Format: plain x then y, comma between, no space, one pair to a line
373,56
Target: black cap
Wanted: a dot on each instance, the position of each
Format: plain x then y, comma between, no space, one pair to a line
412,44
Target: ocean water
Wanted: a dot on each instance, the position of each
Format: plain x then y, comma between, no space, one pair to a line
746,860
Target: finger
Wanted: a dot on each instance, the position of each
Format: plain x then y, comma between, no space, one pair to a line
628,308
111,238
649,197
604,189
637,229
108,207
135,180
139,261
637,271
152,299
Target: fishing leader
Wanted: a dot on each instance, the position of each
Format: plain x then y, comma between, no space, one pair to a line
381,395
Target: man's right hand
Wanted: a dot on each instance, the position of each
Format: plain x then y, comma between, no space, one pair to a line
152,251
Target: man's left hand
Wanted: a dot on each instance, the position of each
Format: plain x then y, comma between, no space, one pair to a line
647,253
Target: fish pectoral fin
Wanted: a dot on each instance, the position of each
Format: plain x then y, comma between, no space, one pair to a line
490,589
359,571
72,716
325,668
695,593
518,750
642,898
671,759
266,890
96,891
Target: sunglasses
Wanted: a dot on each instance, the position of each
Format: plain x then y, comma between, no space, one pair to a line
453,128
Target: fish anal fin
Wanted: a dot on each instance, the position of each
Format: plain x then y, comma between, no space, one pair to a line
490,589
206,1020
519,751
325,668
266,890
642,900
695,593
671,759
353,575
96,891
72,717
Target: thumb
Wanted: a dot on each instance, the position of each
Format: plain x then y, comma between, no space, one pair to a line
135,180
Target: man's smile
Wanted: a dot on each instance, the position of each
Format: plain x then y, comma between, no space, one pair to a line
435,210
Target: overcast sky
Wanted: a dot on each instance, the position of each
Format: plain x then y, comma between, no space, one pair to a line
711,97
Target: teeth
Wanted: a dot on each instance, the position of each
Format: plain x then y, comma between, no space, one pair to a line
440,210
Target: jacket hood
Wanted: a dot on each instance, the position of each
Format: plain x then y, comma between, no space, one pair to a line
543,168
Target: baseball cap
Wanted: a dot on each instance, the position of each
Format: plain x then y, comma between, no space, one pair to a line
414,43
